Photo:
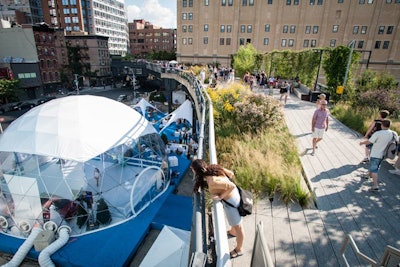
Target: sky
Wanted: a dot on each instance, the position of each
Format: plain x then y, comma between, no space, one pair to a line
160,13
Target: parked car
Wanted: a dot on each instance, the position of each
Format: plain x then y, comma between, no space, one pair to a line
23,106
122,98
45,99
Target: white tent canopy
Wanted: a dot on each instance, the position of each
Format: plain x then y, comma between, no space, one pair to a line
75,128
143,104
184,111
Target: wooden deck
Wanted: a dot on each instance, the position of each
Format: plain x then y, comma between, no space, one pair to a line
313,237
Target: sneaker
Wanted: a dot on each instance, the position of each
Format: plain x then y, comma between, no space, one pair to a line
395,171
374,189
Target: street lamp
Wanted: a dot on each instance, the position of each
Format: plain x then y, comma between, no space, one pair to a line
351,44
77,82
319,66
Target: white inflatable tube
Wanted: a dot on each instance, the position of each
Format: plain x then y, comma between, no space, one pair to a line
23,250
44,256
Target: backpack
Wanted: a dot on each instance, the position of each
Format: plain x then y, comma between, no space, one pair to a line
246,202
391,149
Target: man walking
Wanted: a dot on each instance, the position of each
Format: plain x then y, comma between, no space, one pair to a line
379,141
319,124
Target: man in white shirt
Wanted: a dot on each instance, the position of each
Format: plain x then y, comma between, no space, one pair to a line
379,141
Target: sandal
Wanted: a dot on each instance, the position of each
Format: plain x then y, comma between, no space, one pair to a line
230,235
235,254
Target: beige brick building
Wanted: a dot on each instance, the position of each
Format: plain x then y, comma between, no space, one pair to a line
212,31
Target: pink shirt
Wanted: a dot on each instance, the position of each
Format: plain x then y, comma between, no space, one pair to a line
320,117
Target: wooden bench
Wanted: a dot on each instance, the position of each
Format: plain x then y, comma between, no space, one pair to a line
302,92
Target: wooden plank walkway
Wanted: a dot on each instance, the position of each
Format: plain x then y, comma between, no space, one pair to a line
314,236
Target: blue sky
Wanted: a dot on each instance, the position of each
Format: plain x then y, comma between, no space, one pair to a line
159,12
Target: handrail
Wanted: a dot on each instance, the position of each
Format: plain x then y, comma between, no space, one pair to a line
349,240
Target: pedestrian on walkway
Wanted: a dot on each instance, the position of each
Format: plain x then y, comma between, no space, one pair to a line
218,180
379,141
374,127
319,124
321,97
397,163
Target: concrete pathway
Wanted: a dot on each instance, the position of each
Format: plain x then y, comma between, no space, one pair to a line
314,236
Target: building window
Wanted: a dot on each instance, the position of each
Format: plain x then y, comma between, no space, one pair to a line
355,29
251,2
332,43
313,43
370,1
249,28
206,27
67,20
190,28
190,16
184,41
205,40
360,44
244,2
206,2
221,41
312,2
267,28
228,41
315,29
248,41
269,2
305,43
190,41
320,2
222,28
291,42
389,30
361,2
340,1
242,28
241,41
296,2
184,28
283,42
288,2
385,45
230,2
66,11
184,16
190,3
335,28
285,28
388,1
381,29
266,41
308,29
292,28
377,44
223,2
184,3
363,29
228,28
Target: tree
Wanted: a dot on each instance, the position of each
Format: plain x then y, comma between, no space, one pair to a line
245,60
8,90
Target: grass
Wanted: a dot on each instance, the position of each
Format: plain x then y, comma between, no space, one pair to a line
265,161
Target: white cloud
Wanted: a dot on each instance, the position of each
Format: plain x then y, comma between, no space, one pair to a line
153,12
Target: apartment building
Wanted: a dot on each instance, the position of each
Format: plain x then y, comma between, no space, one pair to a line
212,31
145,37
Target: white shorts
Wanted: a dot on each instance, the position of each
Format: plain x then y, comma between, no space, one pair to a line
318,133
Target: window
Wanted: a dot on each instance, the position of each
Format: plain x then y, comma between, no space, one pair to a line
248,41
190,16
332,43
291,43
385,45
190,3
296,2
184,3
228,28
360,44
363,29
190,41
381,29
377,44
315,29
222,28
389,30
184,41
305,43
206,2
285,28
266,41
205,40
335,28
221,41
241,41
312,2
267,28
361,2
269,2
190,28
355,29
308,29
370,1
249,28
206,27
388,1
75,20
320,2
66,11
242,28
340,1
228,41
244,2
251,2
184,16
288,2
313,43
184,28
283,42
292,28
230,2
223,2
67,20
